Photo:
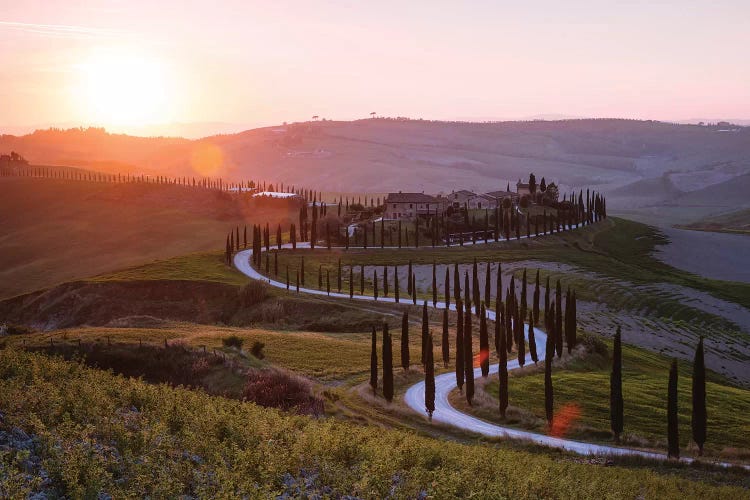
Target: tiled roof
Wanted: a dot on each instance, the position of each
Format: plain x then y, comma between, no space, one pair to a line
501,194
410,198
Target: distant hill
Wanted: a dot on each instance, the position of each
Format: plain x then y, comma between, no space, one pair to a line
381,155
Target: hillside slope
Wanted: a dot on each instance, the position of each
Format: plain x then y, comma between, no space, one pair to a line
56,231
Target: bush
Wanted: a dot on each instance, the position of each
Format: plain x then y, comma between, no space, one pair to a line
274,388
257,350
524,202
253,293
232,341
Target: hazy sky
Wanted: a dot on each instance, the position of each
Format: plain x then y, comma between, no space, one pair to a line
122,64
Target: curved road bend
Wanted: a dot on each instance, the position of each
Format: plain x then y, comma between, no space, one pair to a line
445,383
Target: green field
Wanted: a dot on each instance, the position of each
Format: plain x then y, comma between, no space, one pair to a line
100,433
584,384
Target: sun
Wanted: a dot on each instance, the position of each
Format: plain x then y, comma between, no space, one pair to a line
124,88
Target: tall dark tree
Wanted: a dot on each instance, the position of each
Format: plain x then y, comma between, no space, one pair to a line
484,342
447,287
459,343
546,297
535,307
278,236
502,373
385,281
548,392
475,288
429,380
414,288
524,300
487,284
445,341
699,416
387,364
351,282
568,322
375,283
339,278
673,431
408,286
558,320
361,279
532,339
468,356
434,284
405,340
499,282
616,404
425,330
276,263
520,341
456,282
374,362
573,320
396,288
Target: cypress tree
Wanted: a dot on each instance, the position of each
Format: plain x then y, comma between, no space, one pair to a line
362,279
276,263
459,344
548,392
375,283
488,284
387,364
434,284
558,320
475,288
502,373
414,288
425,330
399,234
429,380
385,281
445,341
699,416
499,282
536,298
456,282
673,432
382,232
339,277
408,287
244,237
573,321
396,290
520,340
447,287
374,362
616,405
468,356
546,298
498,323
484,342
532,339
351,282
405,340
523,296
278,236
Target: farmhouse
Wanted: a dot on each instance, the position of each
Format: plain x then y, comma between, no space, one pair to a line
463,199
411,205
498,197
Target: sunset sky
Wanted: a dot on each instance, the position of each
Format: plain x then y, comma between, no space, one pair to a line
127,64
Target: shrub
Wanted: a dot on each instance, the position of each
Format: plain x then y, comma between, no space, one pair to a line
277,389
232,341
253,293
257,350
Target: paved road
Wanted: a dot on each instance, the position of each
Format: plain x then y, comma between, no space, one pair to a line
445,383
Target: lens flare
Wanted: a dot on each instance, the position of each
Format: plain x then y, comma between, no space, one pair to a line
564,419
207,159
479,358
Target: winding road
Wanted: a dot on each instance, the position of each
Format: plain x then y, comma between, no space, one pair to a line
445,383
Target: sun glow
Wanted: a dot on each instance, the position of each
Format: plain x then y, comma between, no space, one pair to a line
124,88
